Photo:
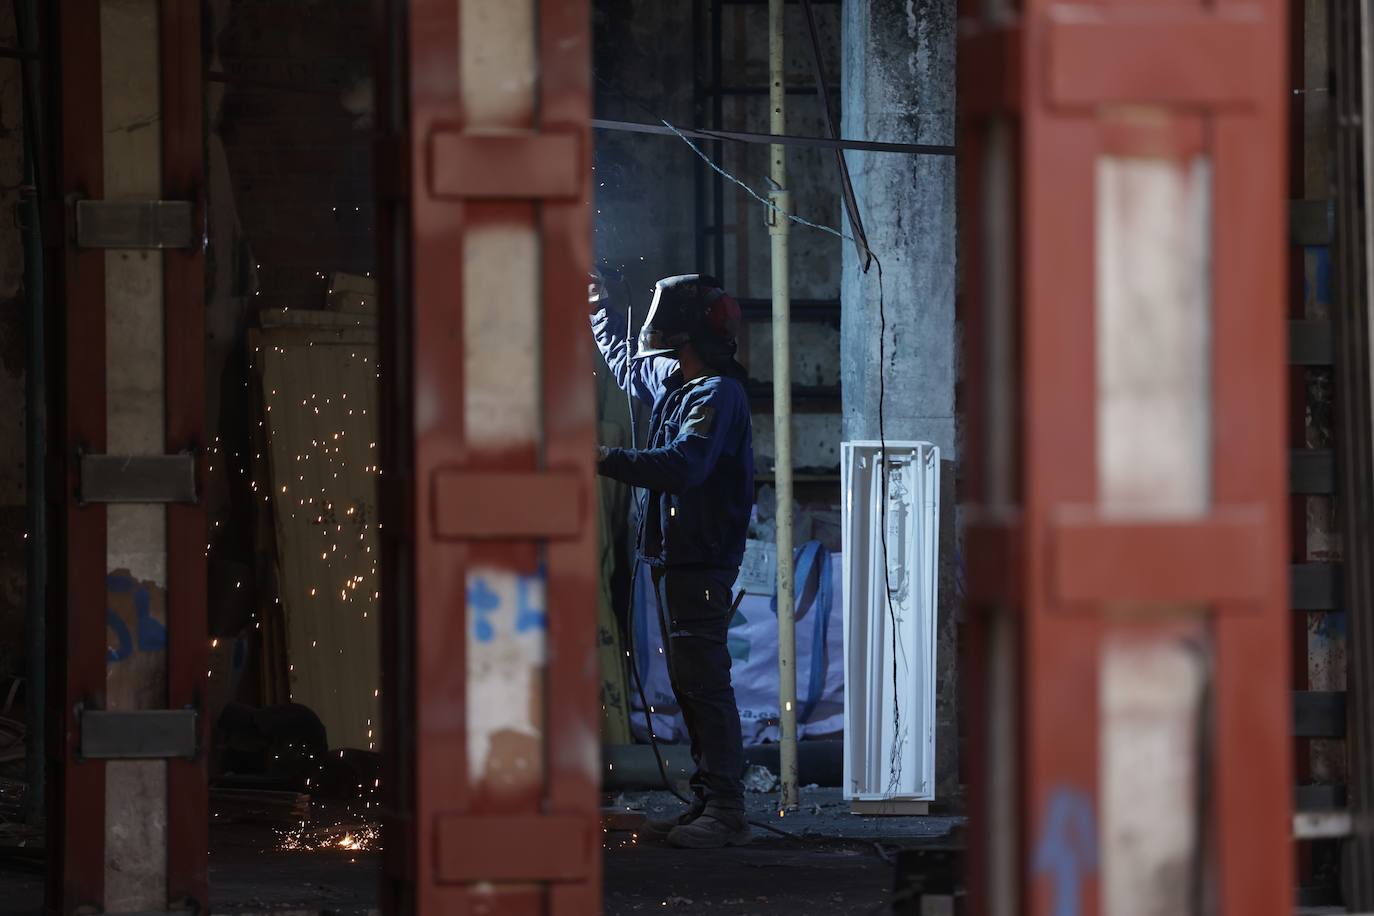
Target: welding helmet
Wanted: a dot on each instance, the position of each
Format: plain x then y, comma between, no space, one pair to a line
694,308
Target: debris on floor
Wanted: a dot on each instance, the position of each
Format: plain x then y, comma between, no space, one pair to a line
759,779
258,805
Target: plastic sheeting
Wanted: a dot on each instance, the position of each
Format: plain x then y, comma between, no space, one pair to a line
753,644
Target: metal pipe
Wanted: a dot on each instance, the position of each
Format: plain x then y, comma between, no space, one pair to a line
778,226
35,410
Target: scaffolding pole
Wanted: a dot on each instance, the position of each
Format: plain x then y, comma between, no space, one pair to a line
778,226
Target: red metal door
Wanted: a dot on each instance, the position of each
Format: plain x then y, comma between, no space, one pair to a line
1122,223
490,435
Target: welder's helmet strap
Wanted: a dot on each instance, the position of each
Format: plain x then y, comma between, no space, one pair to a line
690,307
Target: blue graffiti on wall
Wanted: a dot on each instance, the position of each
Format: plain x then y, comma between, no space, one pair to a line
1067,850
529,610
488,605
152,633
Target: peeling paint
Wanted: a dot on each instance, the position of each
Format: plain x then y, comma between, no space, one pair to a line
506,648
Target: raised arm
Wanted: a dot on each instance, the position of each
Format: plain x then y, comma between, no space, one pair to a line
643,378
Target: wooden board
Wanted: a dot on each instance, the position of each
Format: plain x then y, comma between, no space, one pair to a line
613,515
890,808
318,383
352,293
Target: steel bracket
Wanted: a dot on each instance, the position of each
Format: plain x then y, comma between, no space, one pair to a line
139,734
497,505
138,478
506,165
135,224
1219,559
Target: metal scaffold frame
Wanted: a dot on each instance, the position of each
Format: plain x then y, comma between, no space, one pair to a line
484,174
84,732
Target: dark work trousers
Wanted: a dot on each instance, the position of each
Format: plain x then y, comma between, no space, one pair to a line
694,614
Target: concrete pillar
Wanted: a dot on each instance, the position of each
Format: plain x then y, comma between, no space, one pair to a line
897,83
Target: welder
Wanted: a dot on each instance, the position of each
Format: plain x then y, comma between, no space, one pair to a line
697,474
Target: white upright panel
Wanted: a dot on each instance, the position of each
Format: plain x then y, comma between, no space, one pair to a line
889,618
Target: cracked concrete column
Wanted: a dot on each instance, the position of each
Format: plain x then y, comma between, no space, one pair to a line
897,84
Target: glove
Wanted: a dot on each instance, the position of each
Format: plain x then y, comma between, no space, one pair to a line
596,291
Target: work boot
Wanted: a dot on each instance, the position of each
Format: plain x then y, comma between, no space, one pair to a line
714,828
659,829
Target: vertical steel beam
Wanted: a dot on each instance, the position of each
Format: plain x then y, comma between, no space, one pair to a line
78,801
484,337
395,489
37,178
1351,32
183,178
1052,106
573,705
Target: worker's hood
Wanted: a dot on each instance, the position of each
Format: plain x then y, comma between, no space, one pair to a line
690,307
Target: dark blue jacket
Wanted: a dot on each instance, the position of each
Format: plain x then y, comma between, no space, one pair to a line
698,466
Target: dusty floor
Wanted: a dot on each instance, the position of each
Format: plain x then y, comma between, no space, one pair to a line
833,863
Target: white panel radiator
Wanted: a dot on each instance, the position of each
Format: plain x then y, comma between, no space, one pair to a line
889,621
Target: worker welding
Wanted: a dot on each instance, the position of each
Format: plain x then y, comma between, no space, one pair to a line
696,479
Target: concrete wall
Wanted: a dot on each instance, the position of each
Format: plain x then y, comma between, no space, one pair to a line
898,84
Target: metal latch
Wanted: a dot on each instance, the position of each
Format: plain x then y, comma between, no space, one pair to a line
139,734
135,224
138,478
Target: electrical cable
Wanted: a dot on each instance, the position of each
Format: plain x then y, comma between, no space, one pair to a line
736,136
